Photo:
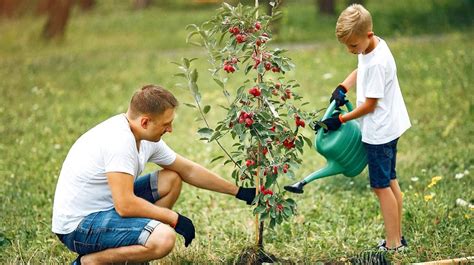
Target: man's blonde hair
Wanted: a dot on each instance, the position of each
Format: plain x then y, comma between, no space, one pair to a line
151,99
354,20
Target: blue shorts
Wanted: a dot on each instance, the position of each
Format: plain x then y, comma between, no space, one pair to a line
381,159
107,229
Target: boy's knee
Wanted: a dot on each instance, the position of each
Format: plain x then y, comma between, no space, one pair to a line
161,241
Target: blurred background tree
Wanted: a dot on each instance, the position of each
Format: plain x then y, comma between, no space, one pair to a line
302,19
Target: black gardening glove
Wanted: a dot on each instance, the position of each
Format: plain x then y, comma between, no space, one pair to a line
332,123
246,194
339,95
185,227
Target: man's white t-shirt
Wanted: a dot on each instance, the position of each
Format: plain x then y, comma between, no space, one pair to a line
377,78
108,147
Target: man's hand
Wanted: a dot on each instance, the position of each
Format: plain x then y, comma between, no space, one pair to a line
339,95
332,123
246,194
185,227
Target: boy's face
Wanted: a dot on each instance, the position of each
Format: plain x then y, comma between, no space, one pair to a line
360,44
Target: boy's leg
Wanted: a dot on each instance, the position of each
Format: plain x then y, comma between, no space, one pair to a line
398,196
159,244
389,207
381,162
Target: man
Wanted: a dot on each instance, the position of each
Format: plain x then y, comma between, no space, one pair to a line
103,212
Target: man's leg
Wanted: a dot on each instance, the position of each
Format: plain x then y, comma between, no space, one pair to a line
389,207
159,244
161,187
398,196
169,188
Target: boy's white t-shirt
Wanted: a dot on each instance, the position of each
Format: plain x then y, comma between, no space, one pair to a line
377,78
108,147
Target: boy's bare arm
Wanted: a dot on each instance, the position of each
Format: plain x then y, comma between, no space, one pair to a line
350,80
367,107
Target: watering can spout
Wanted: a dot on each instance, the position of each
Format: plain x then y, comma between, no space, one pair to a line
297,187
332,168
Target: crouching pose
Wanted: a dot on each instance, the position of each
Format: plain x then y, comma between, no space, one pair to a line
104,211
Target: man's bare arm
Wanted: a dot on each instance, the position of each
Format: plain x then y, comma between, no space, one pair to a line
127,204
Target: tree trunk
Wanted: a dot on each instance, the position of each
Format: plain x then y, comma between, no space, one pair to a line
86,5
276,24
8,8
326,7
350,2
141,4
43,7
57,20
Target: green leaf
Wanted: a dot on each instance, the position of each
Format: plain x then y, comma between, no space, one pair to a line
214,136
217,158
264,215
259,209
219,82
205,132
308,141
194,75
206,109
180,75
194,26
272,223
291,202
291,174
190,105
222,106
186,62
261,68
287,211
196,43
249,67
203,34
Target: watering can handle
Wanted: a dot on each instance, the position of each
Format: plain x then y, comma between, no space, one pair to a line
332,107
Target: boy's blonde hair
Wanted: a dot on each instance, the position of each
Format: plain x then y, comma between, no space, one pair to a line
354,20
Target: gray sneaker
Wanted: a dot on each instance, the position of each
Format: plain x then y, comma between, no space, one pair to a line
383,243
400,248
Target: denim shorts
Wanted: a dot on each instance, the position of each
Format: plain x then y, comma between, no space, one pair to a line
381,159
107,229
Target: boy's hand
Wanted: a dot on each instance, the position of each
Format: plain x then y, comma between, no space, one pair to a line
246,194
332,123
339,95
184,226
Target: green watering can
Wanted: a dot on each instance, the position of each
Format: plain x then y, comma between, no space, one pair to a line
343,150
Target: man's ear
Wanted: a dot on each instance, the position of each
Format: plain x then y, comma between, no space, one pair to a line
370,34
144,121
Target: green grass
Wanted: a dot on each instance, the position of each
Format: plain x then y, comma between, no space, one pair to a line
52,93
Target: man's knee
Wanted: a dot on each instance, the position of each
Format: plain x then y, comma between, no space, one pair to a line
161,241
169,180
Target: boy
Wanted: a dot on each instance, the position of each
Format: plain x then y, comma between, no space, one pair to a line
382,112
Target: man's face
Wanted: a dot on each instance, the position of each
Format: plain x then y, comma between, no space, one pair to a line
359,44
158,125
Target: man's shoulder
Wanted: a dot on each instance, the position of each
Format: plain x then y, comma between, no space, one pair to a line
114,131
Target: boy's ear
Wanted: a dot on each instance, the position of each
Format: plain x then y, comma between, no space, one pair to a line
370,34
